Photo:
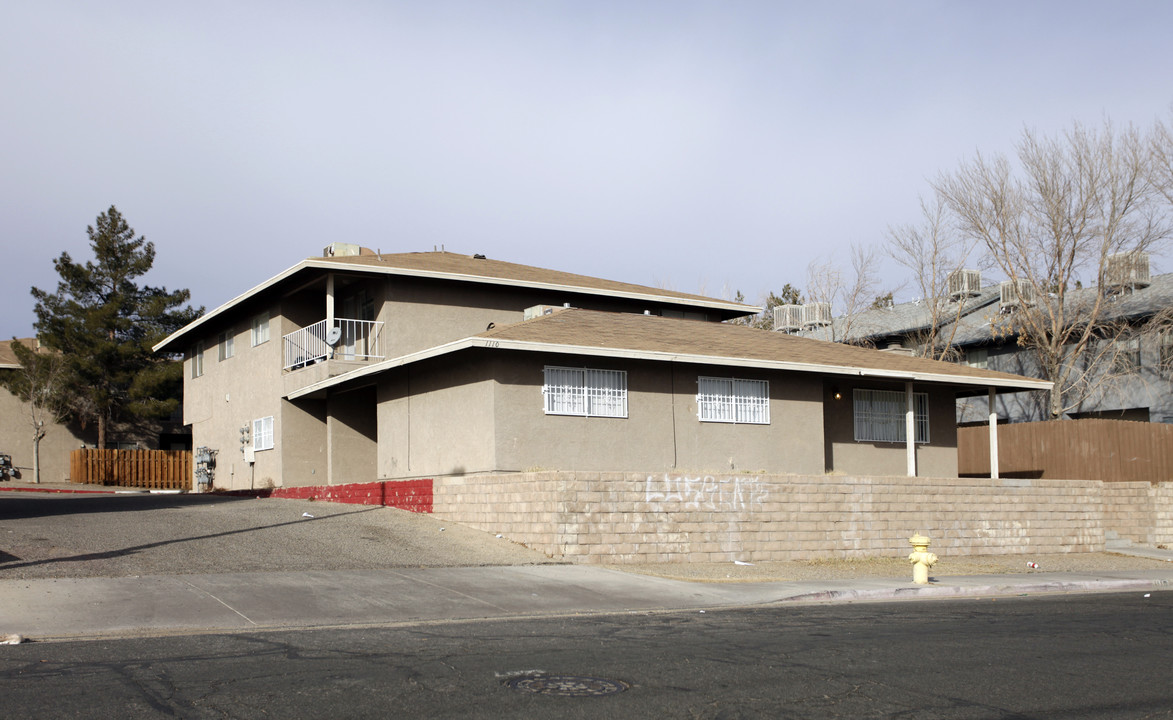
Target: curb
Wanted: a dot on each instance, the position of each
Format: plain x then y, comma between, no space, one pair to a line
56,490
948,591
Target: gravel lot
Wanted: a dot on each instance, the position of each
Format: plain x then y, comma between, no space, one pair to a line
57,536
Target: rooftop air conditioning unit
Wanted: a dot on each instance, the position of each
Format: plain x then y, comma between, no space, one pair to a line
1128,270
339,249
816,315
539,310
1012,297
964,283
788,318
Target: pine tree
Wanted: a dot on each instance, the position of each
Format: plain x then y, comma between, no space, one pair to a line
104,324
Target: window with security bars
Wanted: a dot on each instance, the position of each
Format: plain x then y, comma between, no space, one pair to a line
879,416
585,392
732,400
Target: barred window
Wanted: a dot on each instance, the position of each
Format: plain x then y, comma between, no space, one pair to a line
1165,355
586,392
263,433
732,400
879,416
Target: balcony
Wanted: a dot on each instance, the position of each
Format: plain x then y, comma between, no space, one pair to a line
359,341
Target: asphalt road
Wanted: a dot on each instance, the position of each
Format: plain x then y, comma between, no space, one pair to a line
1066,657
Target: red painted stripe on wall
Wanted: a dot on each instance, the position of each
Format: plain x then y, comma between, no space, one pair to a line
413,495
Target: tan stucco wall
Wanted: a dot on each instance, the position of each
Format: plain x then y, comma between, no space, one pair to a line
352,436
844,455
661,430
16,439
302,443
436,420
234,392
680,517
482,411
423,313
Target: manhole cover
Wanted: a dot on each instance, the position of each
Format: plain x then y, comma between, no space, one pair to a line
567,685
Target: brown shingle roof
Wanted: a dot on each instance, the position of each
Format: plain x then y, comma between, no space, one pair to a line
467,268
8,357
652,334
450,263
608,334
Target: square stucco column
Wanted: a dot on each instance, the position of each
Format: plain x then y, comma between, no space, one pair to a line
993,436
910,429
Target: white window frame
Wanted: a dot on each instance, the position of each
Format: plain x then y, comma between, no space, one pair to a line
977,358
584,392
260,330
733,400
1165,352
1126,358
880,415
263,433
197,360
226,345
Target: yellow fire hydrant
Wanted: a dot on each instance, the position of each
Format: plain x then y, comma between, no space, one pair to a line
921,558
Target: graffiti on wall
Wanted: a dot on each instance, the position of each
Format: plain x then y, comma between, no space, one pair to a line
707,492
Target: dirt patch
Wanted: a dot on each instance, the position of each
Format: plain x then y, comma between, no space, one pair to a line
894,567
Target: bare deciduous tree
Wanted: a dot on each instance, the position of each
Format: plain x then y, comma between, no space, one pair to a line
39,383
932,252
1049,225
848,293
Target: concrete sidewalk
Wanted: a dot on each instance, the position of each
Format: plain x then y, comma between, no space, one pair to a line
56,609
142,566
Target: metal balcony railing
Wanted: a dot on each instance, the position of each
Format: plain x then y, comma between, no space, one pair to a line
358,340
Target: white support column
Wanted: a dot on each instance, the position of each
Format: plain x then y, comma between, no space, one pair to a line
329,301
993,437
910,430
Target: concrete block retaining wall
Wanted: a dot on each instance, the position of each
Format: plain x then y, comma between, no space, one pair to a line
1140,511
639,517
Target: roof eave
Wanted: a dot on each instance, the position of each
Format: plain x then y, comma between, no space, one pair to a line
727,308
1006,384
209,316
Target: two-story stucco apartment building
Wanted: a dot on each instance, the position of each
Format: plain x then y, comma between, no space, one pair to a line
357,366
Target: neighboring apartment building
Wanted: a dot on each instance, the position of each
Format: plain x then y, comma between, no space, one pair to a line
16,430
1134,380
358,366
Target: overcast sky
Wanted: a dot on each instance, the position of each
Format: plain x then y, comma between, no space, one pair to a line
706,147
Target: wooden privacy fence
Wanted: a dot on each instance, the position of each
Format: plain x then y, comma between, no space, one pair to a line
1110,450
153,469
